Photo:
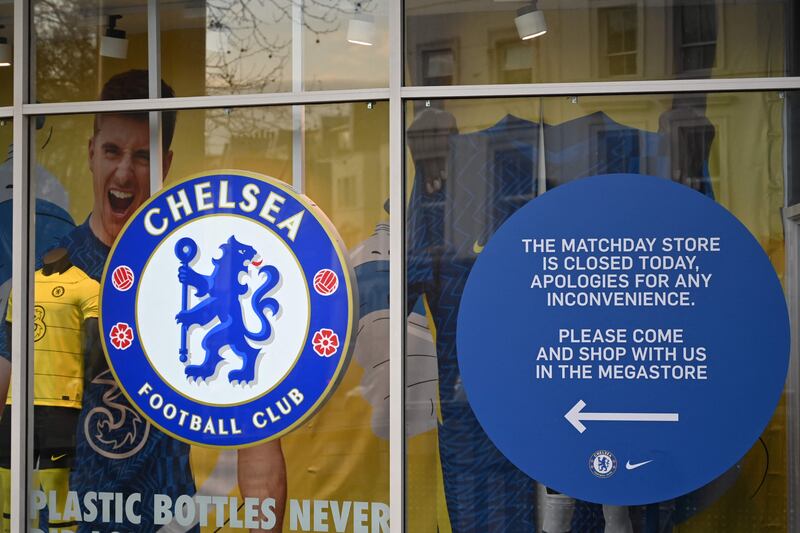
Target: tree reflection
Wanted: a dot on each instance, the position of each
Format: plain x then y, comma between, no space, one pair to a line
247,47
66,54
249,42
249,50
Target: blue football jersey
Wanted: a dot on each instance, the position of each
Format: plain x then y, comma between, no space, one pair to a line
117,450
491,174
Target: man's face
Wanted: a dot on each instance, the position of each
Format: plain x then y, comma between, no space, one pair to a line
119,159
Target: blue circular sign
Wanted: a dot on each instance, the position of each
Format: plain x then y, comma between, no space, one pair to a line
227,309
628,323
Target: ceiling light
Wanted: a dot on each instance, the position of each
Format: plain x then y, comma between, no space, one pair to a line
530,22
6,53
113,43
361,28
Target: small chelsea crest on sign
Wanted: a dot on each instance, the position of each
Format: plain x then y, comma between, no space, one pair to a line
603,464
227,309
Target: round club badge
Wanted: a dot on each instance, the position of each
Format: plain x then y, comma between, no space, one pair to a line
227,309
602,463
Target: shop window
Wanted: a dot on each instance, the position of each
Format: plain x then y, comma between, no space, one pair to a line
619,41
496,153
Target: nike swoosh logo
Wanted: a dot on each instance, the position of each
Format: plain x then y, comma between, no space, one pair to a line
477,248
629,466
55,458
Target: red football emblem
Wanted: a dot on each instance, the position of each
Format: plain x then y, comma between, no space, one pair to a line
122,278
326,282
121,336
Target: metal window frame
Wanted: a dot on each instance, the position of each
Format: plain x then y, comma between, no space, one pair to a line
298,111
23,112
23,234
792,387
397,278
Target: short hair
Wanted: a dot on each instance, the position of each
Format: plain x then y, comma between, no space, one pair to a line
135,84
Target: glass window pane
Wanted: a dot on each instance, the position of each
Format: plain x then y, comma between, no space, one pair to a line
346,46
6,53
76,45
334,464
51,221
230,47
258,139
474,164
227,47
575,42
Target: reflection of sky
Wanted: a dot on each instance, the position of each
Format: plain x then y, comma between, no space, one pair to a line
251,51
247,50
334,63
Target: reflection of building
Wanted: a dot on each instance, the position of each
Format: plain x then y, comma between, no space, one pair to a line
345,145
475,42
347,149
261,135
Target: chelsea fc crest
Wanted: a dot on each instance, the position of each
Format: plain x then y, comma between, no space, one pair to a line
227,309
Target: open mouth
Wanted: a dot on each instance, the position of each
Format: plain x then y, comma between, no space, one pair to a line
120,201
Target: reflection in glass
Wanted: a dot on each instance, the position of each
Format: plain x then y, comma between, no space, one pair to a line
77,44
258,139
230,47
6,53
341,454
52,222
549,41
475,162
6,243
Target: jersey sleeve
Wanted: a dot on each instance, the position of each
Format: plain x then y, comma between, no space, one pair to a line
418,243
90,299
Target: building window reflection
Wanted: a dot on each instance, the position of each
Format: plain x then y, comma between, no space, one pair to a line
438,66
696,37
619,41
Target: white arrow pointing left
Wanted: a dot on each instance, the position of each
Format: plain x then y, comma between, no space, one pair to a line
575,416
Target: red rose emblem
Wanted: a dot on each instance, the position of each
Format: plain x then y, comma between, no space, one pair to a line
325,342
121,336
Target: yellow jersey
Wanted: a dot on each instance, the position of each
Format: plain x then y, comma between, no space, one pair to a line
62,303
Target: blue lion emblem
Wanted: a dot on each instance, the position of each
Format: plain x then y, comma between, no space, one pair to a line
223,289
